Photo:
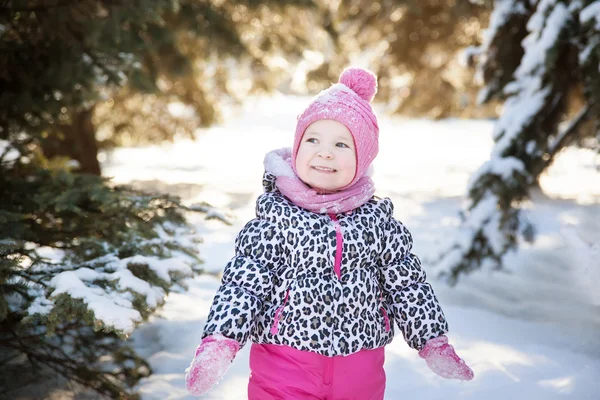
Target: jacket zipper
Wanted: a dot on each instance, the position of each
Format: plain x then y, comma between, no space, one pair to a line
339,245
275,328
337,266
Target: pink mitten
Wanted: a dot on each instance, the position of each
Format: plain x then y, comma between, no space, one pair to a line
441,359
212,358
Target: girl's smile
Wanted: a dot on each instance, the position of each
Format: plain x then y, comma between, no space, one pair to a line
324,169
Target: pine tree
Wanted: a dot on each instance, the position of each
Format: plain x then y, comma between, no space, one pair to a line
81,264
59,58
542,60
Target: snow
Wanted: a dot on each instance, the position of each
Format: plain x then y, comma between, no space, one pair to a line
587,253
8,154
528,91
501,14
330,95
529,332
536,22
212,212
590,16
162,268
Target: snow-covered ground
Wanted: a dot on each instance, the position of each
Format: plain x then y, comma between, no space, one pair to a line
530,332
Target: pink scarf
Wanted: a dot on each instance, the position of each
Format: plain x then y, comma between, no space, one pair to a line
279,163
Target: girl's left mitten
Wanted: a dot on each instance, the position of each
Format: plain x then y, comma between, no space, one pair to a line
212,358
442,359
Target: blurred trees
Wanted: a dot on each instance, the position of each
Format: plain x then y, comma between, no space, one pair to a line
542,60
415,49
202,55
168,78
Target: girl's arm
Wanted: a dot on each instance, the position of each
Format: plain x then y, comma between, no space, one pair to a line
414,305
246,281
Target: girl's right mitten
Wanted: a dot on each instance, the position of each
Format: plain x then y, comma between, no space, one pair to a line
213,356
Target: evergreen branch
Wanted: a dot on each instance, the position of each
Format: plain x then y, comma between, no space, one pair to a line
34,379
9,358
73,370
563,136
21,346
56,357
211,212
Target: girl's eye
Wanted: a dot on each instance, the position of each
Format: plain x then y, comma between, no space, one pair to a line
342,145
311,140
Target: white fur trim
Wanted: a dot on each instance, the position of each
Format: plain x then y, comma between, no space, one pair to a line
276,162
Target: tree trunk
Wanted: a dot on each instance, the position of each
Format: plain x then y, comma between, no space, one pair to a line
78,143
83,134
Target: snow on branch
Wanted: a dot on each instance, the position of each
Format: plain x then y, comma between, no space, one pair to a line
544,33
529,91
212,212
503,167
557,142
589,18
118,291
501,20
591,13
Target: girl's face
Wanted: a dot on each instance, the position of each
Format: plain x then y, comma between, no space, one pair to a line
326,159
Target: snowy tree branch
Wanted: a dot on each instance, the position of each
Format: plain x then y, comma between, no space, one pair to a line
562,137
526,137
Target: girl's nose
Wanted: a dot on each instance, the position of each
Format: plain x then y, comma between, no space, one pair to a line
326,154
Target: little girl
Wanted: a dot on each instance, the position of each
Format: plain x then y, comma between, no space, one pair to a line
324,270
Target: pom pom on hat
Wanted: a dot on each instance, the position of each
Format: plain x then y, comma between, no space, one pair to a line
361,81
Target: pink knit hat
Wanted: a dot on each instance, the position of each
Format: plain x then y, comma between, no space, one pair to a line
347,102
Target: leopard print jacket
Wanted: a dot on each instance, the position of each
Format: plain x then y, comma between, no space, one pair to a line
282,286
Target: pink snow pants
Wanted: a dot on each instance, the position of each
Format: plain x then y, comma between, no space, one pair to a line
284,373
